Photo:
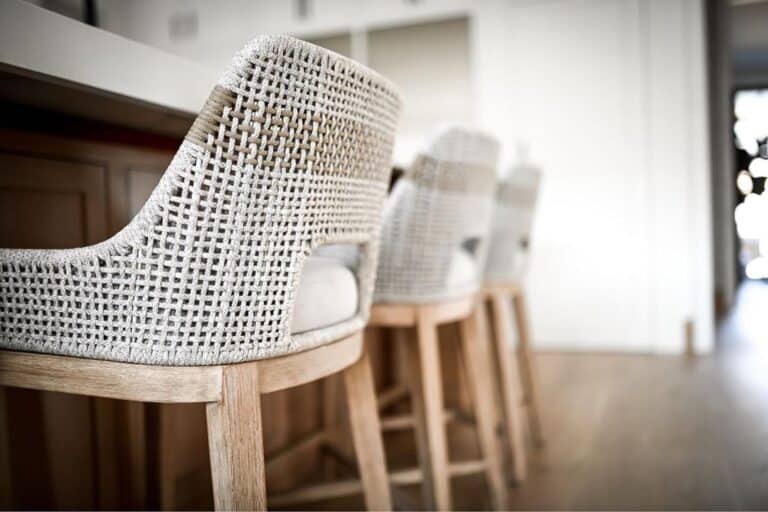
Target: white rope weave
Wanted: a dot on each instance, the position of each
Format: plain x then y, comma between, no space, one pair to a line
292,151
443,202
512,223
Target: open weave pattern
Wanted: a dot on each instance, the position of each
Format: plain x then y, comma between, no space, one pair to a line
443,201
512,223
292,151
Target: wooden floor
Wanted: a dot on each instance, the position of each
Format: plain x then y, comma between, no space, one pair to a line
643,432
634,432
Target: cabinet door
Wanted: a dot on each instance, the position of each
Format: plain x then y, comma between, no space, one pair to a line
51,204
48,203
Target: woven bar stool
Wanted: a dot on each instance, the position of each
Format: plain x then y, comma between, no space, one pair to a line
434,244
433,247
212,293
510,235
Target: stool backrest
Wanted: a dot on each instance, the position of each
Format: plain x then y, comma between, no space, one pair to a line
291,151
512,223
442,205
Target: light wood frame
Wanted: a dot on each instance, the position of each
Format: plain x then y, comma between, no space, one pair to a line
232,394
416,333
517,383
415,329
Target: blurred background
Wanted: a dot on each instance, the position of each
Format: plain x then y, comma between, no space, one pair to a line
649,119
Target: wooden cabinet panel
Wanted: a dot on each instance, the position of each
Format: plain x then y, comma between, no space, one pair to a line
130,186
141,183
66,451
32,218
46,203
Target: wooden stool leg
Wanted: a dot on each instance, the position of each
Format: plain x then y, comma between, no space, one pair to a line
527,371
366,433
509,382
476,353
427,376
409,361
235,442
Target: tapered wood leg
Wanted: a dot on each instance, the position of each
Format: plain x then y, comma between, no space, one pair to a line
366,434
462,397
235,441
509,382
476,351
431,382
527,370
410,362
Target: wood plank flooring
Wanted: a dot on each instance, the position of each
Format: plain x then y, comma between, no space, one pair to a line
658,432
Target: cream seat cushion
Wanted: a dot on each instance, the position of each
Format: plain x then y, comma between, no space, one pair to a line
327,294
463,270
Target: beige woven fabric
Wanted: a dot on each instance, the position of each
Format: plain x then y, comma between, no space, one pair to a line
291,152
442,203
512,223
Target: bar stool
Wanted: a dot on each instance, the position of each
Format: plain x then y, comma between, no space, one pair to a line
513,218
434,243
433,247
212,293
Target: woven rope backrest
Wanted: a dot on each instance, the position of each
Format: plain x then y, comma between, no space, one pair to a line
443,201
291,151
513,219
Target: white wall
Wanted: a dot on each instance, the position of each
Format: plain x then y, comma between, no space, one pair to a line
608,96
430,63
225,24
